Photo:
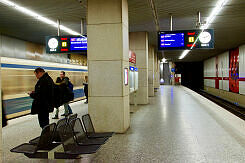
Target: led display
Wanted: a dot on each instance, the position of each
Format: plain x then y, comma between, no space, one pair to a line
186,39
78,43
66,44
172,40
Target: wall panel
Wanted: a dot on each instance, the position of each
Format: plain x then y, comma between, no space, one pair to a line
224,79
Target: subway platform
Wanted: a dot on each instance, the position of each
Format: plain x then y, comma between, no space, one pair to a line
178,125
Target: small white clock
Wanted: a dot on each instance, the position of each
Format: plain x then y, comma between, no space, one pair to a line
53,43
205,37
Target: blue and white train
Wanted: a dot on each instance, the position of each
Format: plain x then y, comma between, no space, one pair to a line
18,79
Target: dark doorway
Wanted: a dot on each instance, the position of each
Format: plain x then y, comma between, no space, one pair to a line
191,74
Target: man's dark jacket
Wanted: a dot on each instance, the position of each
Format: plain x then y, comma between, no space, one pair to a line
43,95
86,89
66,95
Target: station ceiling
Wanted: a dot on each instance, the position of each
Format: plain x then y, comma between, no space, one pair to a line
229,25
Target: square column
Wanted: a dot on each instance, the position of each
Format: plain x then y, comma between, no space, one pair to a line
107,29
156,72
1,145
138,42
151,71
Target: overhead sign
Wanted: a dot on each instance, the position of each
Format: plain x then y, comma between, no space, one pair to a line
185,39
132,57
66,44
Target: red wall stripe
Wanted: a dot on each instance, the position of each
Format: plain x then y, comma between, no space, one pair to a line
224,78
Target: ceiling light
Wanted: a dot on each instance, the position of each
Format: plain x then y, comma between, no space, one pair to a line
219,5
164,60
38,16
185,52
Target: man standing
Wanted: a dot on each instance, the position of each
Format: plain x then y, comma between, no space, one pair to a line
63,81
86,88
43,96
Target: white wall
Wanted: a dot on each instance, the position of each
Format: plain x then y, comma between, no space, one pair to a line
15,48
242,68
209,71
223,70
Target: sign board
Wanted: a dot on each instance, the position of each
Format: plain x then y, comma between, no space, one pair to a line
131,68
132,57
66,44
180,40
125,76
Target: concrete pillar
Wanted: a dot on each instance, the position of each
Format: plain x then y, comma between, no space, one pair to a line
138,42
1,147
156,72
151,71
108,50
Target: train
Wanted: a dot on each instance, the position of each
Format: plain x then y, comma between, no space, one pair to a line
18,79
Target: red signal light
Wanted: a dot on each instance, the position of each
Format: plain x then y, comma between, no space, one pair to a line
191,33
190,45
63,39
64,50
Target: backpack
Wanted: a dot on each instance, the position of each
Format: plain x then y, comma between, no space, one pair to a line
70,85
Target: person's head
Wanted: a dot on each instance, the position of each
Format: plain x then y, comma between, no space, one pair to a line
86,78
62,74
39,72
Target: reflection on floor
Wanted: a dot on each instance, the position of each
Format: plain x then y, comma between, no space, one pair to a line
177,126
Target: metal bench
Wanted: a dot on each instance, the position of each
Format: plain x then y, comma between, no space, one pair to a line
56,136
72,117
89,128
71,149
44,143
80,135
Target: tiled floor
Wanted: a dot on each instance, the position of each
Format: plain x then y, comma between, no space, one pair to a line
177,126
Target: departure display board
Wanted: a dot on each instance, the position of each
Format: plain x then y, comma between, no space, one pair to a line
181,40
169,40
78,43
66,44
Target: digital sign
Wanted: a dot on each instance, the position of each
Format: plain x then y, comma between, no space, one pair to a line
185,39
66,44
79,43
172,40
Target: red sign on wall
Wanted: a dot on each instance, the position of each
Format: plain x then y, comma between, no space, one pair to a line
217,72
132,57
234,70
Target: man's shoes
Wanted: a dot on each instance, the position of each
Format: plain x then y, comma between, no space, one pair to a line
64,115
86,102
70,113
55,117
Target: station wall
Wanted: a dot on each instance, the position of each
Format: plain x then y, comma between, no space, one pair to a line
15,48
19,59
224,75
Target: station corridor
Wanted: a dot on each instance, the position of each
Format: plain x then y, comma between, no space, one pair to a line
178,125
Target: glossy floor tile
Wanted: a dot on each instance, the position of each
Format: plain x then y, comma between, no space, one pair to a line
177,126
